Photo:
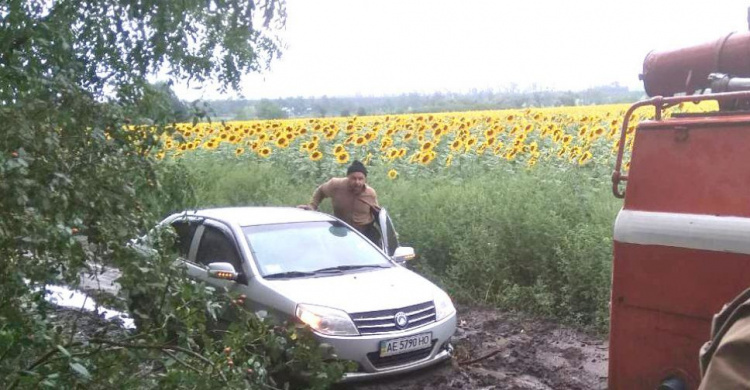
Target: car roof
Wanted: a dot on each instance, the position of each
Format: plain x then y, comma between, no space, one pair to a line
251,216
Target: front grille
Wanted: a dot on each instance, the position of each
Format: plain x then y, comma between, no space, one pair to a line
397,360
383,321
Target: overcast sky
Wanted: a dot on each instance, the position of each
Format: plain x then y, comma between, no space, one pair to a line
386,47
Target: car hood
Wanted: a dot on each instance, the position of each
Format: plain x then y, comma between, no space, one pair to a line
358,292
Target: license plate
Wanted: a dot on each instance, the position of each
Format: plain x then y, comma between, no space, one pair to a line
405,344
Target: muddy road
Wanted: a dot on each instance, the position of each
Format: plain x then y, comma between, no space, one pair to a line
496,350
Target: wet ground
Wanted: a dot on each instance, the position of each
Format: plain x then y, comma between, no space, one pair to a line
497,350
493,349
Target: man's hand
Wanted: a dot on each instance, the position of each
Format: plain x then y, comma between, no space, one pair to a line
305,207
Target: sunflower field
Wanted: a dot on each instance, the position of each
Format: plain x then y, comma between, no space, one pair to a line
404,146
507,208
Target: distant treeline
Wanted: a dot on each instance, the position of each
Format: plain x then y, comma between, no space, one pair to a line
301,107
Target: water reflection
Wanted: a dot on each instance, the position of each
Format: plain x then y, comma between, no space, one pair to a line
63,296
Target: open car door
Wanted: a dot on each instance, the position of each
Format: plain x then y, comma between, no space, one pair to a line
388,235
389,239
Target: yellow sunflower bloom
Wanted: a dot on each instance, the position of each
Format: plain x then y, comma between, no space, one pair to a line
342,158
585,157
392,174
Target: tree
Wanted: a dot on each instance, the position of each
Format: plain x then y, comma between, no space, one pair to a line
159,104
78,181
266,109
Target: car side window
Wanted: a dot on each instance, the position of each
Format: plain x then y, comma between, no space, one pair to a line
185,232
215,246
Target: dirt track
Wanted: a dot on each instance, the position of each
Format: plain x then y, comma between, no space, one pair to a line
529,354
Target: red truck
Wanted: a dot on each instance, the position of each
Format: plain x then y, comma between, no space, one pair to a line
682,238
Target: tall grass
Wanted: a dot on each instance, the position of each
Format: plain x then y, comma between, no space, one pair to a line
537,240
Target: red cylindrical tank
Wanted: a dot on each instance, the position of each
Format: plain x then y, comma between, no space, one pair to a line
686,70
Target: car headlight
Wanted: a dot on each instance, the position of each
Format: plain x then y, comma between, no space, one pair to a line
443,305
325,320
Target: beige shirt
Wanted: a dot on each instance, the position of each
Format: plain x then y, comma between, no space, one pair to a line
351,208
730,365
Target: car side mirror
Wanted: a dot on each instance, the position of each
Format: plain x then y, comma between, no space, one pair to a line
224,271
403,254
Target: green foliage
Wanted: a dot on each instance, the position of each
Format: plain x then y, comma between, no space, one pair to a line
76,184
534,240
159,104
266,109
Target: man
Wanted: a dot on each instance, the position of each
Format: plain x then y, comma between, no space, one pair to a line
725,359
352,199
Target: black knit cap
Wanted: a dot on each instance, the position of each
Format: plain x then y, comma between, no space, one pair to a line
356,166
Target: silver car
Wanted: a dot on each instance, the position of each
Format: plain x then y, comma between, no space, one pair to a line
310,266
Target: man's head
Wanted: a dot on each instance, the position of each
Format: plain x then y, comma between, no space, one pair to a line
356,176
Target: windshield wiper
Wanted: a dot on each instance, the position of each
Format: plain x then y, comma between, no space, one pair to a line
290,274
348,267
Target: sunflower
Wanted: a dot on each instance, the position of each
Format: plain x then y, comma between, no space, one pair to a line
471,141
562,151
282,142
585,157
567,139
426,157
402,152
392,174
316,155
385,142
239,152
342,158
582,131
456,145
338,149
359,141
265,151
393,153
449,160
427,146
232,138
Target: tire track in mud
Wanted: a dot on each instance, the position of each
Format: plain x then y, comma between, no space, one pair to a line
528,354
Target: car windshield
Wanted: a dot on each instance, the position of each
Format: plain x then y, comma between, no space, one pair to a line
303,249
